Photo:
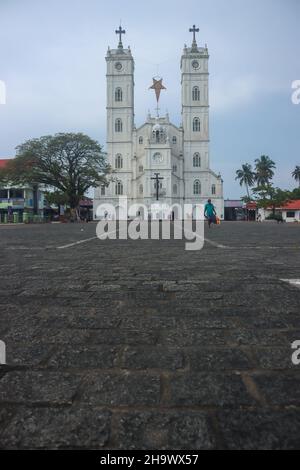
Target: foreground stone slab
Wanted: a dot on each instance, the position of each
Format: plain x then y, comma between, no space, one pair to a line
38,387
43,428
260,429
175,430
117,389
208,389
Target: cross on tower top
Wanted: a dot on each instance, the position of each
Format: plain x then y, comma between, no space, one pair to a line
120,31
194,30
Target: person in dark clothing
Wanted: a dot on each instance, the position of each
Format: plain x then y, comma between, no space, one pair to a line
210,213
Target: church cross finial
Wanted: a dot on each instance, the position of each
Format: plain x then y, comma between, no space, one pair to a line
120,31
194,30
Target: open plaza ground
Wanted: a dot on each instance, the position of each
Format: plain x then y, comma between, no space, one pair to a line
123,344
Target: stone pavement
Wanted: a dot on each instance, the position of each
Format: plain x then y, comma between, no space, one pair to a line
143,345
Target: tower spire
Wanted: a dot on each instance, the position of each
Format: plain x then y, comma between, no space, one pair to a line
194,30
120,31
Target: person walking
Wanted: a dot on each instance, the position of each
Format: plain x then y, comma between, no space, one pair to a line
210,213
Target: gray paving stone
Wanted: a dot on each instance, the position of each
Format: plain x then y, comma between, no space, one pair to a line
151,358
255,336
274,358
145,322
208,389
84,357
188,337
212,359
27,354
204,320
57,428
123,336
117,389
156,430
260,429
80,320
38,387
280,389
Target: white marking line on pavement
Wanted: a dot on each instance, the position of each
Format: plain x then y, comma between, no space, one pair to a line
211,242
218,245
30,248
293,282
69,245
76,243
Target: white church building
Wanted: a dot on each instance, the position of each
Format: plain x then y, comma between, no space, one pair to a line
159,163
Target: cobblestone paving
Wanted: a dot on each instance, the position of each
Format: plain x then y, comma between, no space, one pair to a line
125,344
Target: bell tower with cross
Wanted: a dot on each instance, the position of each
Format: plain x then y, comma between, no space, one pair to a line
120,113
195,111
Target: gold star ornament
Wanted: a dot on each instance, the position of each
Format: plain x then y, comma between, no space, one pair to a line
157,86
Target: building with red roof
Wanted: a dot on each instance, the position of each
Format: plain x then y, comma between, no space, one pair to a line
290,211
3,162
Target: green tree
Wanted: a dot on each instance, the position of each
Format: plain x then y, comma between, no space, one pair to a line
56,197
269,197
66,162
295,194
264,167
296,174
245,176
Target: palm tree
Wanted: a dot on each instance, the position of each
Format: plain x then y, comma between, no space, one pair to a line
264,170
296,174
245,176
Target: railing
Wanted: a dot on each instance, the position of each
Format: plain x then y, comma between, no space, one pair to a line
12,200
162,139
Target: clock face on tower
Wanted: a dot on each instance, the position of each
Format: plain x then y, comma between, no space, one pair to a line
118,66
195,64
158,158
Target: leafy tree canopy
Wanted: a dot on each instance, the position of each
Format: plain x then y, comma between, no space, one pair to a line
296,174
269,196
66,162
264,167
246,176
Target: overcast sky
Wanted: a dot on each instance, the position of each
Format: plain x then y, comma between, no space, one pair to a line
52,60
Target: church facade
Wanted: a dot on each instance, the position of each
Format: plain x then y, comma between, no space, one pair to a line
158,162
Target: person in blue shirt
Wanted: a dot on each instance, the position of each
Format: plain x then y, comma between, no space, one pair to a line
210,213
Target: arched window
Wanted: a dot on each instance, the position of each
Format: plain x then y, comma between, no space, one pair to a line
102,190
140,140
119,161
141,168
119,188
174,168
141,189
197,187
196,160
118,125
196,124
174,188
196,93
118,94
174,139
213,189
